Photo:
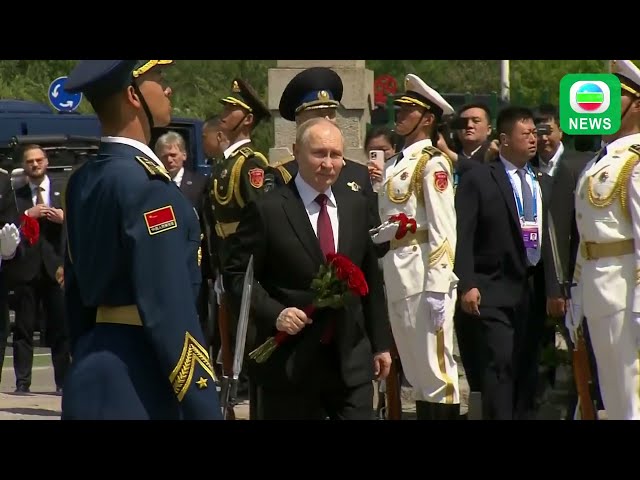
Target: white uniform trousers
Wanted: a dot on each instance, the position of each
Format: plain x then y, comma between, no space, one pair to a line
426,356
616,345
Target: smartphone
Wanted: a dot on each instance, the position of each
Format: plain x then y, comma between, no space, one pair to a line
376,159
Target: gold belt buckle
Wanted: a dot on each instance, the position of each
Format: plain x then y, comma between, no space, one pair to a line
585,250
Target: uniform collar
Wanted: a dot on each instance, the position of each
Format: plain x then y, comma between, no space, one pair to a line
135,144
232,149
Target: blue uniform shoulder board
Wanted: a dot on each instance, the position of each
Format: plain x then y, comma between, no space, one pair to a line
153,169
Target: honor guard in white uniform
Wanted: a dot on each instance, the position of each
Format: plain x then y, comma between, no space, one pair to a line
418,269
607,272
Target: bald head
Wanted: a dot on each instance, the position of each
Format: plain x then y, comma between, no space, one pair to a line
319,152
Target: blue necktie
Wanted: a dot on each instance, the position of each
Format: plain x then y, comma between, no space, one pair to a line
527,196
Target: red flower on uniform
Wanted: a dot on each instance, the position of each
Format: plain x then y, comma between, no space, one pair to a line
29,229
335,281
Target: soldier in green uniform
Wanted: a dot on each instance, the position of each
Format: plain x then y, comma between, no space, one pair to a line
238,177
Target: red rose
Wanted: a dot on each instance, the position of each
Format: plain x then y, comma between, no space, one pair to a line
357,283
29,229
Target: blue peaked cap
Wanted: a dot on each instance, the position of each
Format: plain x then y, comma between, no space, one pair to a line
101,78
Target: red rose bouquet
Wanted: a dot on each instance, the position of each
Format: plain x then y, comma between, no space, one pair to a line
29,229
333,284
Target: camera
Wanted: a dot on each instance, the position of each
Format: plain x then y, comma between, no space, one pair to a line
543,129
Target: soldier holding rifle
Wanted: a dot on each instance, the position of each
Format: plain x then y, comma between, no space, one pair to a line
607,271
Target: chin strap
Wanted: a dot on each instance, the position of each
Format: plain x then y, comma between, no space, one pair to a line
144,104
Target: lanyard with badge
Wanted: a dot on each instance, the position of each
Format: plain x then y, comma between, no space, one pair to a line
530,234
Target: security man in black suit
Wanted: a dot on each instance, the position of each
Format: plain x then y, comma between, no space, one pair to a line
7,215
316,92
32,274
500,211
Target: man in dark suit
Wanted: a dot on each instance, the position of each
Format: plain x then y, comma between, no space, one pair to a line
500,211
316,92
172,152
32,274
326,366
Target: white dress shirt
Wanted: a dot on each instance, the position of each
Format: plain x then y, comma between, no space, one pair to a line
308,195
533,254
178,178
46,191
550,166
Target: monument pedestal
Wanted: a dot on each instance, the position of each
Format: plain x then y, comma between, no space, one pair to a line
353,115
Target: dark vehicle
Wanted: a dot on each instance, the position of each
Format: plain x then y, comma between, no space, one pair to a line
23,119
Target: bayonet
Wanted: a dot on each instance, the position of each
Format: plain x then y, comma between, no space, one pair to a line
230,385
580,359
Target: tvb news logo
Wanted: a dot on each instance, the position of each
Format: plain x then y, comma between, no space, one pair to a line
590,104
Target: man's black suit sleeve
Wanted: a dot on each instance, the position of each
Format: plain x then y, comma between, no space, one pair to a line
467,200
250,238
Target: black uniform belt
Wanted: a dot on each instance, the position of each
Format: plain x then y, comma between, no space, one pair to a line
121,315
223,230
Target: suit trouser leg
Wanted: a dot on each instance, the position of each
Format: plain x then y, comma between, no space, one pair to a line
497,363
26,311
616,344
426,355
4,329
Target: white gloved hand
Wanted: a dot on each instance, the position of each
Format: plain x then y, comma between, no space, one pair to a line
385,232
9,240
218,288
573,320
435,304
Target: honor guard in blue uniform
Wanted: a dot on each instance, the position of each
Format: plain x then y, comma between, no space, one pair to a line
131,267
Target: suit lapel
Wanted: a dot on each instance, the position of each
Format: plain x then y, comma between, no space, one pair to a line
500,175
299,220
345,218
54,195
545,186
23,198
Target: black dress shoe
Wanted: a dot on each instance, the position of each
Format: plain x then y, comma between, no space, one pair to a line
22,389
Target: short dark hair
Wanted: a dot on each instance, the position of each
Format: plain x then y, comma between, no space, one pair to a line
213,121
381,131
546,112
481,106
509,116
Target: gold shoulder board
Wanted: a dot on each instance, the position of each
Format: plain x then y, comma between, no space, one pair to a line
153,169
246,152
635,149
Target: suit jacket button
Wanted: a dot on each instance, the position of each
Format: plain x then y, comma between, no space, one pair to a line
415,247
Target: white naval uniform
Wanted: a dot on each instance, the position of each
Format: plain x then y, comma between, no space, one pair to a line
608,273
422,265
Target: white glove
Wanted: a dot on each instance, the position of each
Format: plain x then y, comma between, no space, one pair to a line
385,232
573,320
218,288
435,304
9,240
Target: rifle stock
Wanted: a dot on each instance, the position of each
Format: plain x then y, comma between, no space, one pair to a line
583,379
227,354
393,387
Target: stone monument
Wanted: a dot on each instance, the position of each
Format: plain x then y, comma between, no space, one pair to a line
353,115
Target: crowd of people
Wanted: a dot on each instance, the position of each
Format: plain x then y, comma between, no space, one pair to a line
440,261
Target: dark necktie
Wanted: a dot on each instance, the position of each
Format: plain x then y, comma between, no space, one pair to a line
527,196
39,197
325,231
602,154
400,157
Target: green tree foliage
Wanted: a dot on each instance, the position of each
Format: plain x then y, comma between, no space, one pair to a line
199,84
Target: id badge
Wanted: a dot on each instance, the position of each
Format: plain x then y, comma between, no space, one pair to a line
530,234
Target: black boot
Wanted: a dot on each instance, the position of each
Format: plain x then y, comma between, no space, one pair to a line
424,410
